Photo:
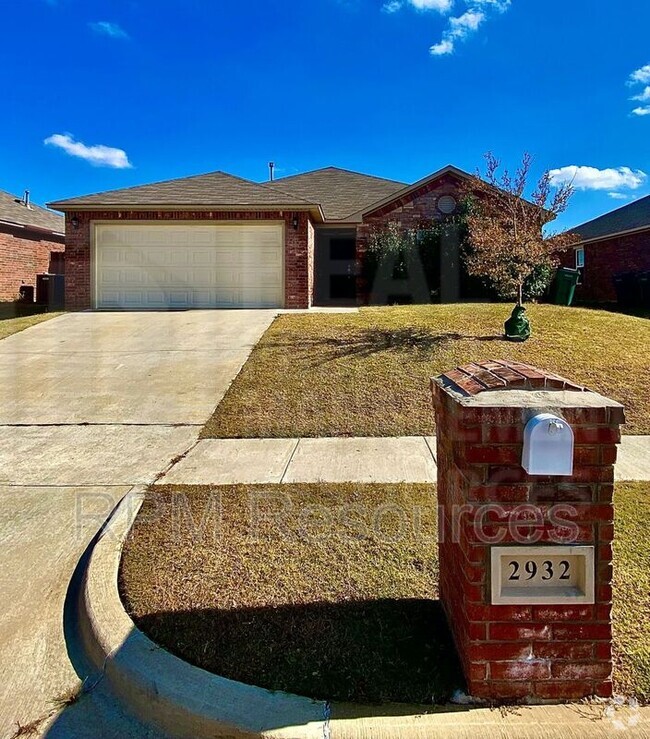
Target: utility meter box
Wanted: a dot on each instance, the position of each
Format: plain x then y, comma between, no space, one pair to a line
548,446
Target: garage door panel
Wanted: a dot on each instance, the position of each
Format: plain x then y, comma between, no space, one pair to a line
172,266
110,255
133,278
259,279
203,257
243,234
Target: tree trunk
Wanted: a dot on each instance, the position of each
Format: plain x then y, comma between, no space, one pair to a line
520,298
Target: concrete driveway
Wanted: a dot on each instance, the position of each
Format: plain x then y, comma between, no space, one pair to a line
121,368
91,404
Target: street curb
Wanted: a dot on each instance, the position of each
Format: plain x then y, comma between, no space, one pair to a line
159,689
180,700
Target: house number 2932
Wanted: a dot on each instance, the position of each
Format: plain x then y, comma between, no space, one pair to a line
546,570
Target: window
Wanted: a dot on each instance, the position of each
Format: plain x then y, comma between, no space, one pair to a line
580,263
343,249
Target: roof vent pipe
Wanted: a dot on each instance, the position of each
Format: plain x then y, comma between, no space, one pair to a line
26,200
271,168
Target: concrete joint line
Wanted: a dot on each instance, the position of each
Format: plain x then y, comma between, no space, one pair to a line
286,468
431,450
178,458
55,486
89,424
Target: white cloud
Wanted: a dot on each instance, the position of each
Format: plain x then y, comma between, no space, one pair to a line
112,30
446,46
459,27
640,76
462,26
442,6
592,178
618,196
642,96
98,155
500,5
465,23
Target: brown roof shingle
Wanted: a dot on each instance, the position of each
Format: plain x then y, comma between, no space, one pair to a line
216,189
12,210
340,192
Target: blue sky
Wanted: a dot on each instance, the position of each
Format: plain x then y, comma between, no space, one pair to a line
397,88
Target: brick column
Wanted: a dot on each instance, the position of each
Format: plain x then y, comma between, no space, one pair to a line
299,262
538,652
77,262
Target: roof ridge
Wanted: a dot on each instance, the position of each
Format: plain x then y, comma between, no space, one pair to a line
339,169
263,185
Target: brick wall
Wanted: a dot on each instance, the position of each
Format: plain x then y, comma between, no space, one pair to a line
416,210
542,652
23,255
299,262
299,249
604,259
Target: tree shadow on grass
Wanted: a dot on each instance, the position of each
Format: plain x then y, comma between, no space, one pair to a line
364,651
417,342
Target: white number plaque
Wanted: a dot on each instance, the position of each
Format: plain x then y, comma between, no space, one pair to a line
542,575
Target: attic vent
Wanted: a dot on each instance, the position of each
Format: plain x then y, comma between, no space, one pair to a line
447,204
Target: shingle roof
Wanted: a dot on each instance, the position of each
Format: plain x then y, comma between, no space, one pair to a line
13,211
213,189
340,192
629,217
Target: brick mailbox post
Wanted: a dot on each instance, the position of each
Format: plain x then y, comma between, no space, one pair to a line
526,556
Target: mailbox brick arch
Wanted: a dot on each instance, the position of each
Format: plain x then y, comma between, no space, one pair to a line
527,651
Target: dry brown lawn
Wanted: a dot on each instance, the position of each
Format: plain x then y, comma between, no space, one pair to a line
632,590
367,374
13,318
311,589
330,590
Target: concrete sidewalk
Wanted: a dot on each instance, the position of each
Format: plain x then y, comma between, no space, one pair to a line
359,459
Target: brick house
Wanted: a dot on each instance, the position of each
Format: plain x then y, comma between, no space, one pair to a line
31,242
216,240
613,243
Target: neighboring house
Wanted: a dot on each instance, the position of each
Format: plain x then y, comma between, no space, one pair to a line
216,240
614,243
31,242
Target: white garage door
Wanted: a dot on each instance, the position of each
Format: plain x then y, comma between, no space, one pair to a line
186,266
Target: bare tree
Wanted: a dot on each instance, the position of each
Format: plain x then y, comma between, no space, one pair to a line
506,241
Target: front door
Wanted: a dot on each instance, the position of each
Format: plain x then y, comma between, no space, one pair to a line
336,272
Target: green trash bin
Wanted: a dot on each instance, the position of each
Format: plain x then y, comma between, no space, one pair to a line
566,280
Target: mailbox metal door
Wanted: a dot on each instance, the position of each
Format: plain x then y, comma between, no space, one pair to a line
548,446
